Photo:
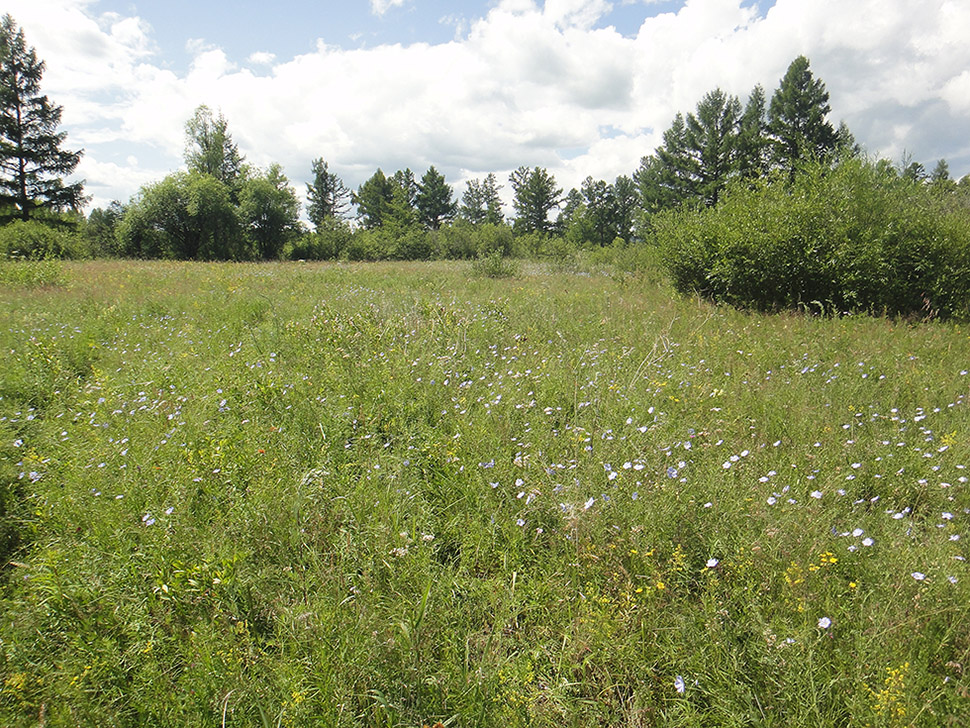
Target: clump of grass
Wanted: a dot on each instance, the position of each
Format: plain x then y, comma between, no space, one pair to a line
495,265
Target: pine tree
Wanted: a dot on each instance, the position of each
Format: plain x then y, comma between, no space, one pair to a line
536,195
433,200
32,163
481,203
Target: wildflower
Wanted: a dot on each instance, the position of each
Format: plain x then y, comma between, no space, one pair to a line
857,532
816,494
772,500
148,519
520,522
867,541
918,575
711,563
589,504
679,685
824,623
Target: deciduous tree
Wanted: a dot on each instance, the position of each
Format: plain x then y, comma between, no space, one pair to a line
209,148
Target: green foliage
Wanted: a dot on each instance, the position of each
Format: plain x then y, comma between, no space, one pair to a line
493,264
327,197
798,119
329,242
853,238
101,230
210,150
32,273
464,241
433,200
535,196
269,213
32,160
373,200
186,216
35,240
481,203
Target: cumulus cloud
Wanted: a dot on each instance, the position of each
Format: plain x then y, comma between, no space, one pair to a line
549,84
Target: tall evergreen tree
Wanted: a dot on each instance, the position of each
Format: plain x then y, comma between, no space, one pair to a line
699,154
797,119
481,202
373,200
327,197
754,146
712,142
434,203
536,195
32,162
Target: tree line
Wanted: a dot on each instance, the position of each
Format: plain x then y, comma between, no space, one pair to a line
221,208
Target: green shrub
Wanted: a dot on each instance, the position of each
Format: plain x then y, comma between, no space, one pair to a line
32,273
33,240
328,242
853,238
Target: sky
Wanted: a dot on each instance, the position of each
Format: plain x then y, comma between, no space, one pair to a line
580,87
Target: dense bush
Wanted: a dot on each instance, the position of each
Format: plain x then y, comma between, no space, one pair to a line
331,238
36,240
854,238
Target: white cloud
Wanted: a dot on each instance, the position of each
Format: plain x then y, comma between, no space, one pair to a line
261,58
379,7
526,84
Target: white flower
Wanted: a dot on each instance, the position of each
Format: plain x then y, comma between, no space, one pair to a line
918,575
679,685
816,494
857,532
589,504
824,623
711,563
867,541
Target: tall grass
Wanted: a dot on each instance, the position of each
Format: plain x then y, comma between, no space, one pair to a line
304,494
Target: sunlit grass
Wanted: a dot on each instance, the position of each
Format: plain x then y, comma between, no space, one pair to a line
299,494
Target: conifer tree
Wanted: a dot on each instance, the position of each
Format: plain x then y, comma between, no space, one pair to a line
327,197
797,118
32,162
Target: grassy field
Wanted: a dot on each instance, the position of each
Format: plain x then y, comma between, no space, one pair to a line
398,495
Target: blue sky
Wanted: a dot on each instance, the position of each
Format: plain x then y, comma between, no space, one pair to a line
581,87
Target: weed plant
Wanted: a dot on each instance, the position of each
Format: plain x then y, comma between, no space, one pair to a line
400,494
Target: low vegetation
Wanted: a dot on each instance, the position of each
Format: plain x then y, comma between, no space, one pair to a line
402,494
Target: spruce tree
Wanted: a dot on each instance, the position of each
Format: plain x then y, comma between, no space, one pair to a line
32,162
797,119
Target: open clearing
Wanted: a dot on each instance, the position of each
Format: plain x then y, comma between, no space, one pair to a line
396,494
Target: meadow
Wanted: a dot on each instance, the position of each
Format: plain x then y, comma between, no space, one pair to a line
404,494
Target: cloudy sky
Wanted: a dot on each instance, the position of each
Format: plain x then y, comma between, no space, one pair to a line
581,87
